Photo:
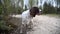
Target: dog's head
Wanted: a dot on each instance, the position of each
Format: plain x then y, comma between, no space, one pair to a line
34,11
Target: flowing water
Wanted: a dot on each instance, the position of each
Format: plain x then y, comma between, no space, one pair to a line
43,24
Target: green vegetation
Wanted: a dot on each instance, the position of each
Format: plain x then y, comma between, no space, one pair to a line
5,9
58,10
49,9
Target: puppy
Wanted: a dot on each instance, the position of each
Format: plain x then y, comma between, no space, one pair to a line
28,15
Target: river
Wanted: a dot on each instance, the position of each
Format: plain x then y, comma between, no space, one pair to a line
43,24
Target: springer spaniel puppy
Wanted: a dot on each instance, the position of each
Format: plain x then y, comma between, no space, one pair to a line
28,15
